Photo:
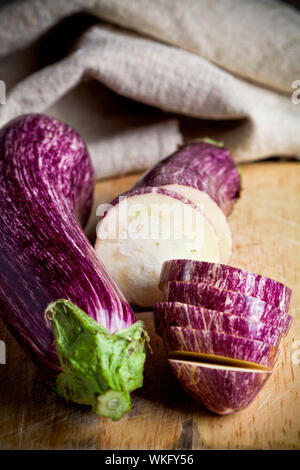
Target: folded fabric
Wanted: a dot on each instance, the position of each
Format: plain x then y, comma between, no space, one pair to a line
202,63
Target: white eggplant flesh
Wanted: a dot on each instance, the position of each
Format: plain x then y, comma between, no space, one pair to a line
214,214
144,228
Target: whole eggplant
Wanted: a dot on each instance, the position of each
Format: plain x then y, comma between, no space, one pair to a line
46,193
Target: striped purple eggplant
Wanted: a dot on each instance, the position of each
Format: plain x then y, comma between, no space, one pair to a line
143,228
228,302
189,316
218,347
221,389
207,175
202,165
202,175
228,278
46,194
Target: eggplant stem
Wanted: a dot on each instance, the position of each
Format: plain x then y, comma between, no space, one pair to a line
99,369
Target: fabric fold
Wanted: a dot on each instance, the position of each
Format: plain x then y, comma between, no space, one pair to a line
125,91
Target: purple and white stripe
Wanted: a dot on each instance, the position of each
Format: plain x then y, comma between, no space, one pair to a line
228,302
228,278
178,339
200,165
46,190
222,390
189,316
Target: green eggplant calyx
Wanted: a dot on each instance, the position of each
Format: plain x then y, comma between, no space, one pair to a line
212,141
99,369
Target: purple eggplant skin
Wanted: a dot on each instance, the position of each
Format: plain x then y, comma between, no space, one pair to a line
46,191
228,278
200,165
181,339
222,390
228,302
189,316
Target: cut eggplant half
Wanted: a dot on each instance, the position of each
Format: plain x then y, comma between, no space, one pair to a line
201,165
228,302
214,214
222,389
145,227
168,314
219,346
228,278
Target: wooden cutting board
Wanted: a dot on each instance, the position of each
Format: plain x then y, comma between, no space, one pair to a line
265,225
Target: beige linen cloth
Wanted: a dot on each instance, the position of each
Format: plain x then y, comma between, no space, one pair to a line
154,73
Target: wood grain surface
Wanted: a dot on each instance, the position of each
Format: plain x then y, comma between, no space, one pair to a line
265,225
